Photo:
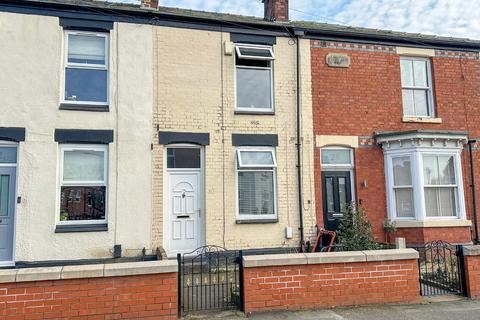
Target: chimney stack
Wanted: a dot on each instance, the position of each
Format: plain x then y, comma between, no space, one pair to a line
149,4
276,10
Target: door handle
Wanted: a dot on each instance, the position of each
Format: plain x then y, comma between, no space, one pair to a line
199,212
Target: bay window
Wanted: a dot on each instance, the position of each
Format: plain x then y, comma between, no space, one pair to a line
83,184
424,174
256,183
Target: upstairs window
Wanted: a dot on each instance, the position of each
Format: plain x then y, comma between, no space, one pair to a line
256,178
416,87
86,68
254,78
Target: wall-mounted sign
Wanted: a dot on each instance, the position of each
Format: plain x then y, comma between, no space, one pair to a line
338,60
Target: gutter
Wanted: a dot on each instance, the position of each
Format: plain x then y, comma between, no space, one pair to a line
298,34
472,186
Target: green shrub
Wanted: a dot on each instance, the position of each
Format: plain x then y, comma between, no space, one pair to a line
355,231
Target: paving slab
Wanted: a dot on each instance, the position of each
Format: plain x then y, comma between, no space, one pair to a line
449,308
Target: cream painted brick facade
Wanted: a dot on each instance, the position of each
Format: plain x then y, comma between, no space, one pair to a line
195,92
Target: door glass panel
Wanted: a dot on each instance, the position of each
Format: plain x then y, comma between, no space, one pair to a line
182,158
342,193
329,191
8,154
4,194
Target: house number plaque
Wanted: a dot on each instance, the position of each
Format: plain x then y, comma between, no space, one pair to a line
338,60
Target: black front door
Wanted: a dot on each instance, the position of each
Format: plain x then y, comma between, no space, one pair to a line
337,192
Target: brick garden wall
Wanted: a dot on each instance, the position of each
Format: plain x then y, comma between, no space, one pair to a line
133,297
366,97
472,271
330,285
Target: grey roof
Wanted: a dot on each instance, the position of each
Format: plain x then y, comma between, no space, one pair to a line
312,28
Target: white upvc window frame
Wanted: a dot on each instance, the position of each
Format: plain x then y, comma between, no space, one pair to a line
82,147
249,168
249,149
270,69
416,158
238,48
346,166
428,89
66,64
393,187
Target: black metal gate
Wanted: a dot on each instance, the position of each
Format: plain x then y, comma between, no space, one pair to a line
441,269
210,278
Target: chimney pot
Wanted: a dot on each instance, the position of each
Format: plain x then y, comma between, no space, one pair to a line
276,10
149,4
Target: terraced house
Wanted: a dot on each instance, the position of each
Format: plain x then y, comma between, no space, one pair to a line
133,130
148,128
396,125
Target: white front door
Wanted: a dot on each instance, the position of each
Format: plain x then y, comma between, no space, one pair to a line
184,199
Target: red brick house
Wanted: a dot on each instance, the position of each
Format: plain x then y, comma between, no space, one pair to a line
393,120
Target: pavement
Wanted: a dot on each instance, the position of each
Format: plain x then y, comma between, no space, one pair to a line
441,308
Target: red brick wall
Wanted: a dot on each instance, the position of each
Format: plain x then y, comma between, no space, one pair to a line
472,275
330,285
366,97
424,235
131,297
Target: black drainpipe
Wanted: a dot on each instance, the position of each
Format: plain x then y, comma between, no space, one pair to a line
298,34
472,186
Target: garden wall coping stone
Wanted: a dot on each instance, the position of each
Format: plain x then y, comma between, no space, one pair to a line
329,257
88,271
471,250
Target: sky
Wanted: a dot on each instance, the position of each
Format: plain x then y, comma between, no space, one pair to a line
456,18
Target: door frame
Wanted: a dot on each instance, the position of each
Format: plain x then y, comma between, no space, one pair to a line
338,167
334,173
4,143
166,202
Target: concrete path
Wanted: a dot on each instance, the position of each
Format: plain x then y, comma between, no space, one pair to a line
445,309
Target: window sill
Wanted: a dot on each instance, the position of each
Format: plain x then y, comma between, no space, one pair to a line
84,107
432,223
421,119
254,113
67,228
258,221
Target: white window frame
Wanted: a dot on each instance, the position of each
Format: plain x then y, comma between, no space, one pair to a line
251,46
67,64
416,158
428,89
250,168
242,165
270,68
61,183
346,166
411,186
